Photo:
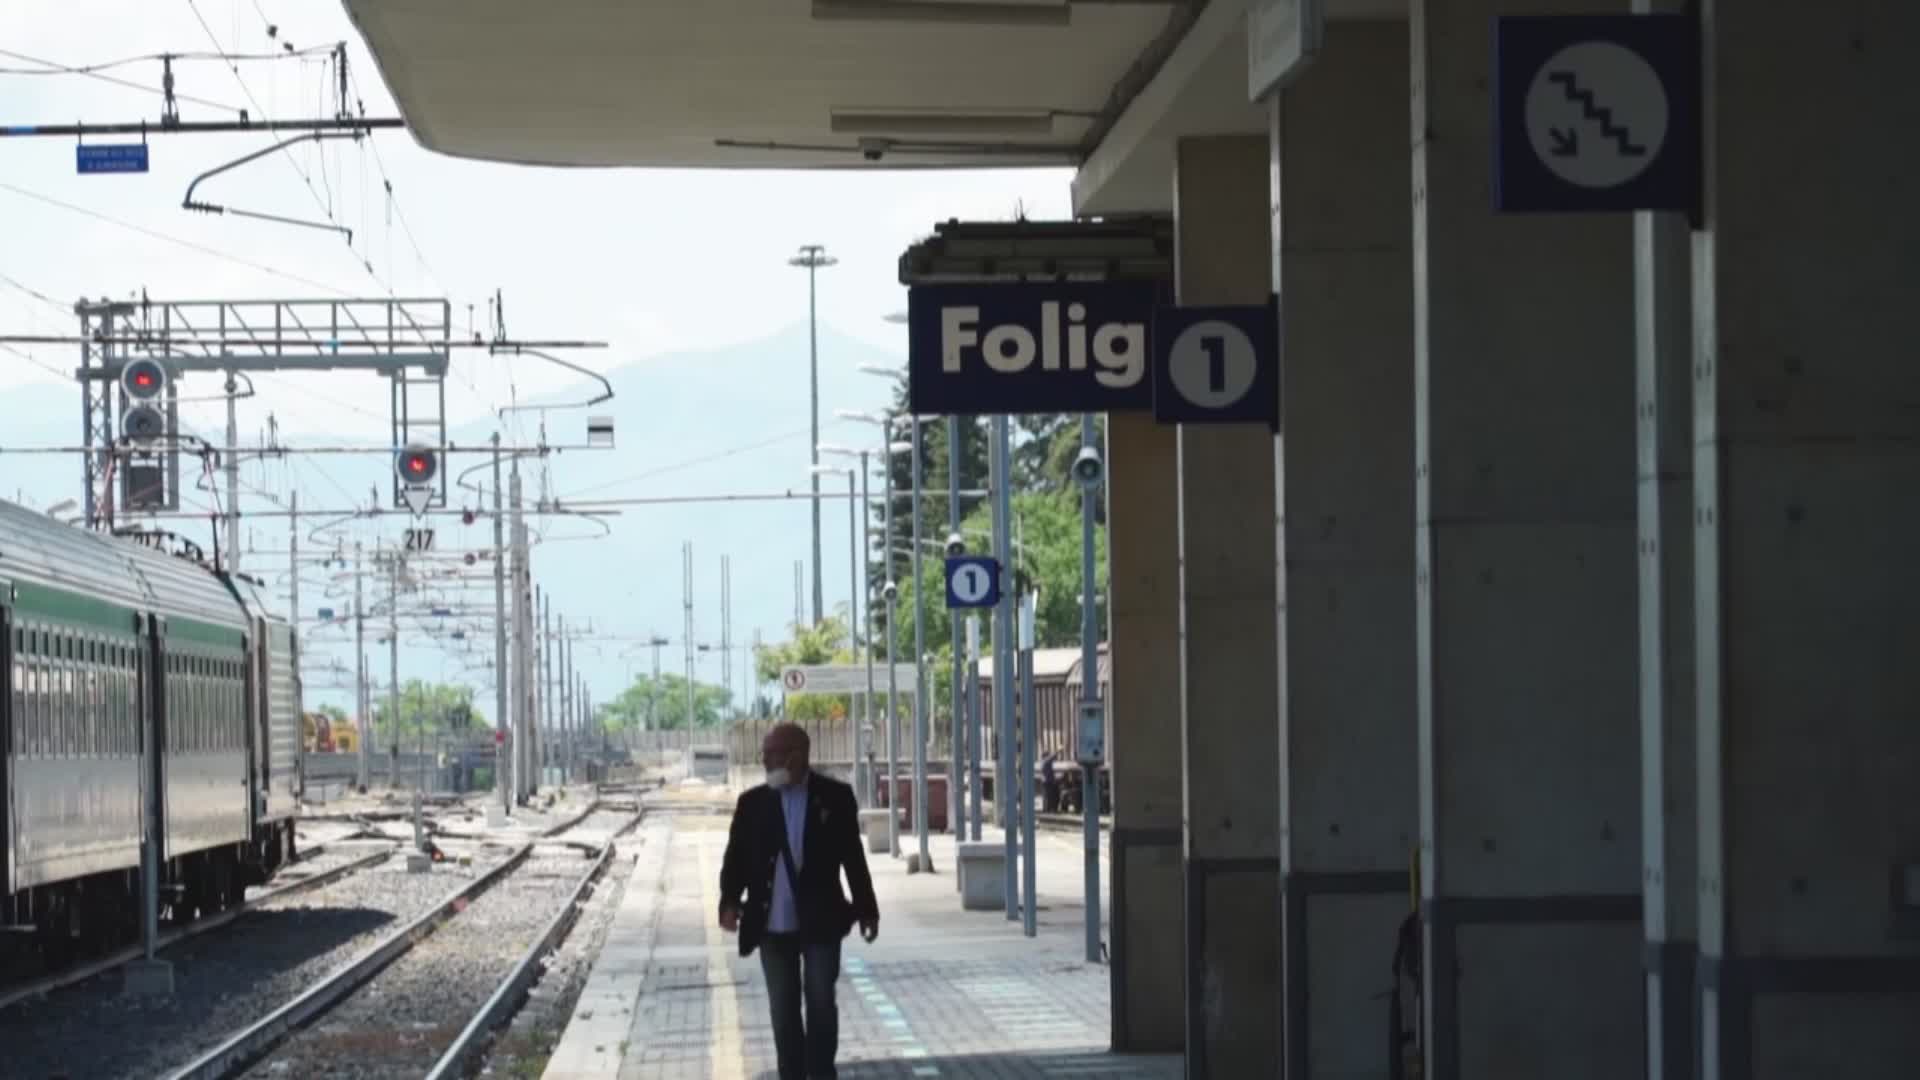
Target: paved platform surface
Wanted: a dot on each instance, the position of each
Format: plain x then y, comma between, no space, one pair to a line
942,993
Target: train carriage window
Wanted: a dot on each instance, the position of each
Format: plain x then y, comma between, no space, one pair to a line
19,678
195,716
123,712
30,706
70,712
42,706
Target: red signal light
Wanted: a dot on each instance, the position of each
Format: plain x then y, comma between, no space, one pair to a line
416,466
143,380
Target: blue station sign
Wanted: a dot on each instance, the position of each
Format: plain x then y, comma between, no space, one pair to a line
1011,348
1217,365
973,581
110,158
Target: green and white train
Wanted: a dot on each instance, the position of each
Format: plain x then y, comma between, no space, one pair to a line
135,671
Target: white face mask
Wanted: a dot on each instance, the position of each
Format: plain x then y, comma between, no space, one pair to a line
778,778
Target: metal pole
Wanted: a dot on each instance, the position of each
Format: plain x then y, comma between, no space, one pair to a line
653,689
293,561
853,641
233,478
893,670
522,739
568,703
393,669
152,794
726,623
360,718
958,781
500,639
864,768
687,592
974,711
1030,732
293,620
546,683
1090,699
813,257
813,391
1003,674
919,672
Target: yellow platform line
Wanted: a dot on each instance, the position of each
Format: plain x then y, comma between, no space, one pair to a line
725,1059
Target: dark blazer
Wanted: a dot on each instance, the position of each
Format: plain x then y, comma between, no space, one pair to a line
831,844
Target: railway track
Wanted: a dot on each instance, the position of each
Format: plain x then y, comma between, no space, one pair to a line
41,987
427,997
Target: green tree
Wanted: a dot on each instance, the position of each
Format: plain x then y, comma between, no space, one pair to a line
428,709
662,706
1046,528
826,643
1043,450
333,713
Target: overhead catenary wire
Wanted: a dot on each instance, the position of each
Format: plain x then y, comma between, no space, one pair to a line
287,154
56,68
190,244
49,67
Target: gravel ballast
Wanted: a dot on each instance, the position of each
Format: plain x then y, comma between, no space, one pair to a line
400,1022
225,979
523,1050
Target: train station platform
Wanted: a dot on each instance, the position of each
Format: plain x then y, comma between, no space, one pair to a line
941,993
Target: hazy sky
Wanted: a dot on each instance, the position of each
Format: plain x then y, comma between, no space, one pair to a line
651,261
654,262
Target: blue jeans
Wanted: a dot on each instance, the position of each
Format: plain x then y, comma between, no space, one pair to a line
806,1051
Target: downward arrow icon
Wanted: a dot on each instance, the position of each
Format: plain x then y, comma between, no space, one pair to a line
1566,142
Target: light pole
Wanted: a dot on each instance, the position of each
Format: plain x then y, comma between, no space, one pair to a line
893,671
919,617
813,257
863,770
1091,473
853,610
920,717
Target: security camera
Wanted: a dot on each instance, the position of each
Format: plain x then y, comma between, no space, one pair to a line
956,545
889,591
873,149
1087,467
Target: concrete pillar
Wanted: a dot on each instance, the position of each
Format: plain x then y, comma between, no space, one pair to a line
1349,816
1145,952
1229,715
1526,593
1806,532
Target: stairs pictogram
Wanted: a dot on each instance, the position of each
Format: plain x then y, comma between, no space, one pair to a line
1596,112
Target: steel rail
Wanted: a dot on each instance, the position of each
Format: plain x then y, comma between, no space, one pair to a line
253,1042
46,985
507,996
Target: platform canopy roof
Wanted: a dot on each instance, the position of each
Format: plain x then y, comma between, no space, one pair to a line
1104,85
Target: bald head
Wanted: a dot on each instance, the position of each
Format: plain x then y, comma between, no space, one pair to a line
784,753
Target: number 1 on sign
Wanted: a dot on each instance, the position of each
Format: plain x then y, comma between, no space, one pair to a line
1215,347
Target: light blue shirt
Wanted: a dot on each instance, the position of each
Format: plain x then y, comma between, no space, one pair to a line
784,917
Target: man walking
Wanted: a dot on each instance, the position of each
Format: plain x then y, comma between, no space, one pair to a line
790,839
